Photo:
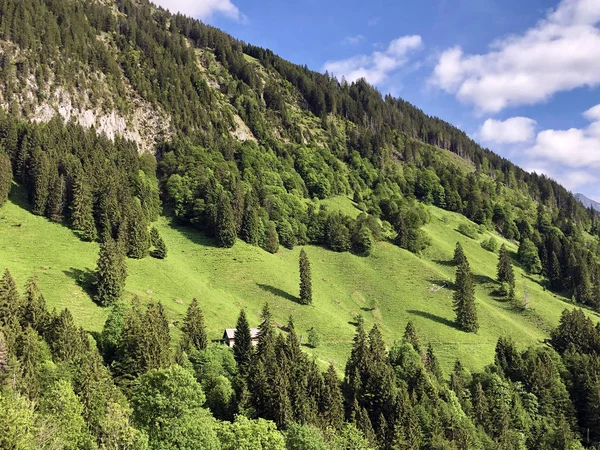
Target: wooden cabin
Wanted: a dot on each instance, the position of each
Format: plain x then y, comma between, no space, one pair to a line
229,336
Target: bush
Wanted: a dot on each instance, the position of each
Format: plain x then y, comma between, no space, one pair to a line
468,230
313,338
491,244
503,290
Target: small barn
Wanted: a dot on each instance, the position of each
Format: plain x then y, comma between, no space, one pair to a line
229,336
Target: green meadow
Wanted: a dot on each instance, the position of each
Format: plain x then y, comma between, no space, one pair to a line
389,288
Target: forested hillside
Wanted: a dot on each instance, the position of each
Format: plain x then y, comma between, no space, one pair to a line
128,124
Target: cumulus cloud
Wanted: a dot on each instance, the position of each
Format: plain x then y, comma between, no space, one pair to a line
560,53
575,147
353,40
509,131
203,9
375,67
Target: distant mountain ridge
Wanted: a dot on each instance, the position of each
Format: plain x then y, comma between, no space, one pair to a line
588,202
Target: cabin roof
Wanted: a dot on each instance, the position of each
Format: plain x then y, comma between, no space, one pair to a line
230,333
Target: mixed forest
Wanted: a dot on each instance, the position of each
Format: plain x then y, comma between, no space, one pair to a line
308,137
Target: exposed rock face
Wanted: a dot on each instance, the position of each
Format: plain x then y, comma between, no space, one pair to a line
145,125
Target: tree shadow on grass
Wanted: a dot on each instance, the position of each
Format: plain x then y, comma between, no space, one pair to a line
194,235
484,279
18,196
438,319
85,279
278,292
444,262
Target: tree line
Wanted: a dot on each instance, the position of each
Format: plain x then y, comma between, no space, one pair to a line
131,387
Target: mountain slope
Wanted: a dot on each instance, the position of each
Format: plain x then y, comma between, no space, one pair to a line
234,127
397,284
588,202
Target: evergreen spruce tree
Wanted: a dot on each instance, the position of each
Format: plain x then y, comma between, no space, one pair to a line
3,355
402,236
128,355
505,269
555,273
464,299
6,177
226,230
459,255
251,222
160,249
242,350
81,208
432,364
155,345
9,300
331,404
111,273
41,171
33,310
194,328
271,243
57,198
138,237
154,236
480,406
411,336
305,279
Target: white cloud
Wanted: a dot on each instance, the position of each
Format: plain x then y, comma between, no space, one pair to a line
375,67
560,53
509,131
203,9
373,21
575,147
353,40
570,179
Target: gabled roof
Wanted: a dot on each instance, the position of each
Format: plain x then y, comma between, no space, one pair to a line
230,333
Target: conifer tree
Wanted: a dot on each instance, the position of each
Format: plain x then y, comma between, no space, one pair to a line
402,237
155,345
64,337
554,273
154,236
459,255
128,352
271,243
3,355
57,198
6,177
251,222
242,350
33,311
464,299
226,230
194,328
9,300
160,249
331,403
81,208
411,336
138,237
41,171
432,364
305,279
480,406
505,269
111,273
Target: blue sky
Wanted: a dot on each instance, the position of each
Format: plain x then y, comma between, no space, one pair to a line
520,77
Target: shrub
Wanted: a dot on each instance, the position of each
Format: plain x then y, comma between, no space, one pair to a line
468,230
491,244
313,338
